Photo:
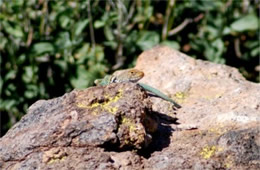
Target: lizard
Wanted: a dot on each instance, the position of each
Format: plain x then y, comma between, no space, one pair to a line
133,75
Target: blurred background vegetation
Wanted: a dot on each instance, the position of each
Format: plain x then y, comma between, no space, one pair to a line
49,47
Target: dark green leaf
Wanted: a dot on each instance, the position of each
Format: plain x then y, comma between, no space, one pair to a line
111,44
64,21
15,31
42,47
10,75
82,79
28,74
21,59
98,24
99,53
108,33
148,39
63,65
172,44
7,104
248,22
255,52
9,91
79,27
82,53
3,42
1,85
31,91
63,41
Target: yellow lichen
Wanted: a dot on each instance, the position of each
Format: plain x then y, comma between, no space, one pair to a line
208,151
126,120
81,105
180,96
56,159
133,128
129,123
126,142
217,130
54,155
94,105
105,105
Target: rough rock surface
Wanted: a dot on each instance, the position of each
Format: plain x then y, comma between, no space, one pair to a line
121,127
221,109
73,131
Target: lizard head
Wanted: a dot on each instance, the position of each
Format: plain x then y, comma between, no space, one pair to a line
135,75
129,75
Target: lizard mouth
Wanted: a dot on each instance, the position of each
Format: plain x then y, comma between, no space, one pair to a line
135,79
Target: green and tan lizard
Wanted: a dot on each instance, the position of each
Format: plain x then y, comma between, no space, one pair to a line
133,75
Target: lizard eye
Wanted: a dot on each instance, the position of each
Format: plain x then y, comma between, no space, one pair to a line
113,80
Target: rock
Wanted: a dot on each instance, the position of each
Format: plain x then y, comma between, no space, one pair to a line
75,129
120,126
221,109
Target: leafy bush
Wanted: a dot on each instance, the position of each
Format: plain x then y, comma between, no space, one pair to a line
48,48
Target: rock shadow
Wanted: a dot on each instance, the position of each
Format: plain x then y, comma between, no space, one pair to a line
161,138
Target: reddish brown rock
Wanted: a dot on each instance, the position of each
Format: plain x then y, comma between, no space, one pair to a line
73,131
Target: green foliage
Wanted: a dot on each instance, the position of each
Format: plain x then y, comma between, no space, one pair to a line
48,48
246,23
147,39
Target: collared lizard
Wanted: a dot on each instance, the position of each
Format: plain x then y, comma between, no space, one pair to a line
133,75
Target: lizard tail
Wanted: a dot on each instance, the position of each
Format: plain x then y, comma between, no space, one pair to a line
159,94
